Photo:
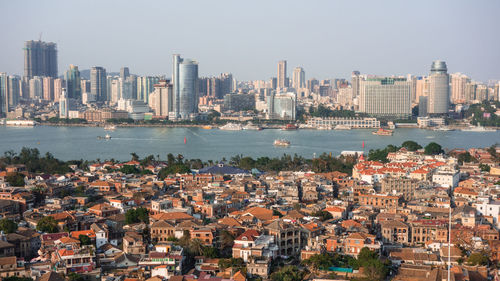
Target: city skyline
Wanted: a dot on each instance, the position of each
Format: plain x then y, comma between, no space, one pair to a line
336,51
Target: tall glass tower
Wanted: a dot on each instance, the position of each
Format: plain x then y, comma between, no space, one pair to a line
439,89
185,82
73,84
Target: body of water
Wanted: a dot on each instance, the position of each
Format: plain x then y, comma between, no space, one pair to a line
82,143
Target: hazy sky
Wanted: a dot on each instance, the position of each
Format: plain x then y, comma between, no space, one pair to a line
328,38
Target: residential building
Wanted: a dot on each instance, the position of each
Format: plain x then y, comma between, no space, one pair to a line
40,59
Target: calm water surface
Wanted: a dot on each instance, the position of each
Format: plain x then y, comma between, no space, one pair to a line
81,142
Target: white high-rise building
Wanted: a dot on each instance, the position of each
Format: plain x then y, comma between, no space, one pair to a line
386,96
299,78
160,100
439,89
458,82
63,105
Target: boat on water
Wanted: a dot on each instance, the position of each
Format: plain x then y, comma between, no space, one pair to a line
207,127
383,132
478,128
324,127
253,127
231,127
443,129
342,127
109,127
391,125
106,137
281,142
289,127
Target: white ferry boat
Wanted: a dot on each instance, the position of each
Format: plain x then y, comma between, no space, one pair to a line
231,127
109,127
281,142
253,127
479,128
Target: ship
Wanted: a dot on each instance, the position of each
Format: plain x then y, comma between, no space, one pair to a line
281,142
231,127
383,132
478,128
251,126
289,127
109,127
106,137
342,127
443,128
207,127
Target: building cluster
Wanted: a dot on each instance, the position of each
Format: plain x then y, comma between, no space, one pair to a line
186,96
86,221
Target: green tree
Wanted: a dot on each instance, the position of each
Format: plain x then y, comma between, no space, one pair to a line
288,273
323,215
15,179
137,215
72,276
135,157
211,252
484,168
8,226
129,169
433,149
47,224
227,239
465,158
195,247
411,145
478,258
84,239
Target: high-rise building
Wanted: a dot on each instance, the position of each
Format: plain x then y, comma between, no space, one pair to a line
299,78
144,86
160,100
36,88
185,87
40,59
281,106
239,102
355,78
282,78
124,73
458,82
98,83
13,94
48,88
4,103
85,86
63,105
73,83
58,86
385,97
439,89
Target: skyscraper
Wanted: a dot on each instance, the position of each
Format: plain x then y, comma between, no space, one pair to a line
439,89
385,97
185,83
98,83
40,59
36,88
160,100
299,78
63,105
355,78
458,82
73,83
4,93
124,73
48,88
282,79
281,106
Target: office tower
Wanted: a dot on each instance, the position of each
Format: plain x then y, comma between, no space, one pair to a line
422,106
282,78
40,59
458,82
299,78
63,105
273,83
58,86
48,88
281,106
144,86
385,97
85,86
355,78
73,83
35,88
114,90
185,87
125,89
239,102
98,83
4,103
160,100
439,89
13,94
124,73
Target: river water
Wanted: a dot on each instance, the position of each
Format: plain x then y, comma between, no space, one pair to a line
69,143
